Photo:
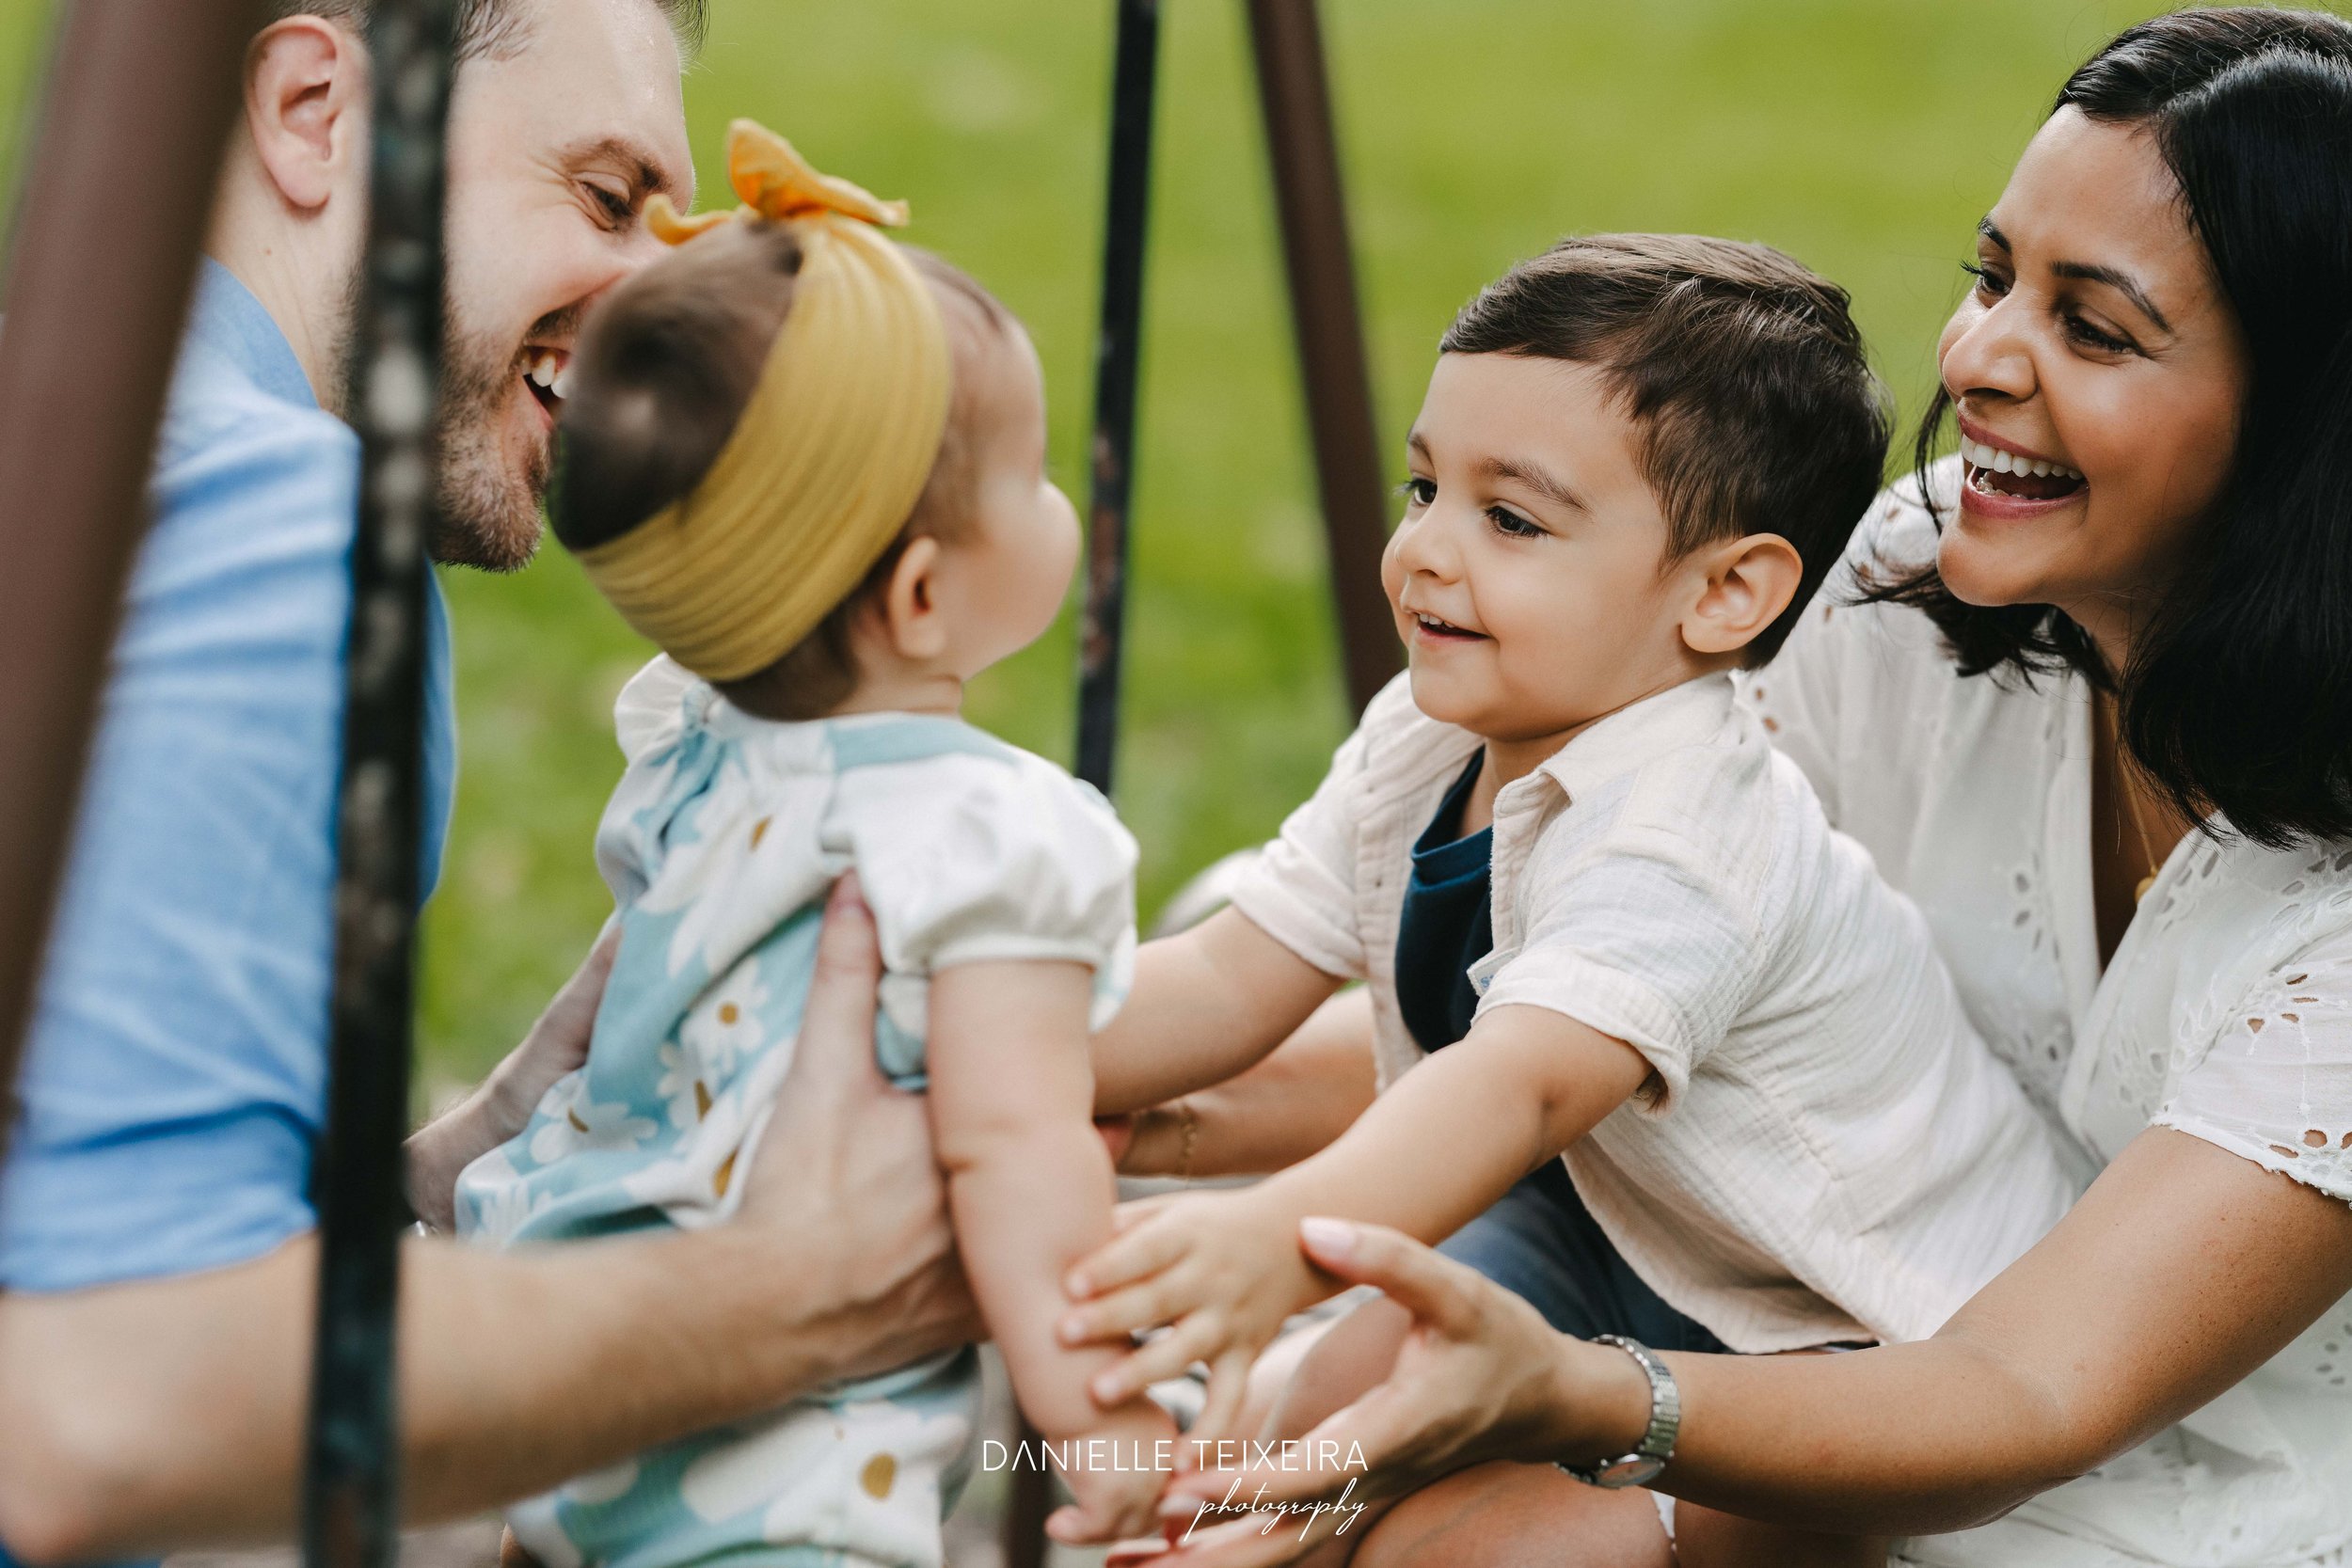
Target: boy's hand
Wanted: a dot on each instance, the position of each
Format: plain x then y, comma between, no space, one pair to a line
1223,1268
1118,1499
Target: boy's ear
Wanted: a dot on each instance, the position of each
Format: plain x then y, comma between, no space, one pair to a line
910,604
1748,582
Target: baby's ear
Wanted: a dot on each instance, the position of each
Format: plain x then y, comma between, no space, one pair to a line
1743,584
911,620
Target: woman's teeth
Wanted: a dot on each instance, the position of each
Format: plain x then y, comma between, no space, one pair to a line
1994,460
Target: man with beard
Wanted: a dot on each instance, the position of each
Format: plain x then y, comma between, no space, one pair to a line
157,1242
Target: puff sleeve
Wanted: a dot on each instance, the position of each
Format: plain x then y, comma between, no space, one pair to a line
978,858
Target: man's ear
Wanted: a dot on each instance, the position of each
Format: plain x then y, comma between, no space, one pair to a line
306,106
910,604
1747,583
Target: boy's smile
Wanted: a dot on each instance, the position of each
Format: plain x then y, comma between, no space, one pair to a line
1528,575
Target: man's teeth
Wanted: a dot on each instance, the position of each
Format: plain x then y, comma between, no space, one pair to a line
550,373
1994,460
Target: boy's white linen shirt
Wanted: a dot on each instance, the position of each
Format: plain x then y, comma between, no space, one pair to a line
1831,1154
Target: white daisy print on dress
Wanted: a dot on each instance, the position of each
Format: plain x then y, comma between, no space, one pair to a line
725,1027
584,1125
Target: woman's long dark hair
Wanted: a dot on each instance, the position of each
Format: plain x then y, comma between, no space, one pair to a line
2238,698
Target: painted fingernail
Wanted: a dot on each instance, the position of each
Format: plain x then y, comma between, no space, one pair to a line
1329,1237
1106,1389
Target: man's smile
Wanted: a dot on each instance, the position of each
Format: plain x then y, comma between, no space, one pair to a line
548,373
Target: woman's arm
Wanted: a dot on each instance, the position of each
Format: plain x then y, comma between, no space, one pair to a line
2181,1271
2184,1269
1207,1004
1292,1103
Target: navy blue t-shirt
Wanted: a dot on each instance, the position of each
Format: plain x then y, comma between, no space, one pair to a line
1447,922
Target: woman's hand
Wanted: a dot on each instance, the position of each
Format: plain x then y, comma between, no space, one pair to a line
498,1109
1223,1268
1480,1376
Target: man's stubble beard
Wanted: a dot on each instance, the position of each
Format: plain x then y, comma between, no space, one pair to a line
488,517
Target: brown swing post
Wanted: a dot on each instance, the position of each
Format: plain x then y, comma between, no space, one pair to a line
98,286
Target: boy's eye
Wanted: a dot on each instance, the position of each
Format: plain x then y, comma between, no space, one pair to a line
1419,492
1511,524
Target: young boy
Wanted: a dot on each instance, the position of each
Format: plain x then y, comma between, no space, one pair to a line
1600,916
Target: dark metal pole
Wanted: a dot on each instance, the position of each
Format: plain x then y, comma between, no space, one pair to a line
97,293
350,1486
1296,97
1117,361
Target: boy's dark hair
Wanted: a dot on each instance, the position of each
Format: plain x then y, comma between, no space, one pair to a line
663,372
1744,370
2236,699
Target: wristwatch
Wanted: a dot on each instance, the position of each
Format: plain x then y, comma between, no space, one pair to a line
1643,1465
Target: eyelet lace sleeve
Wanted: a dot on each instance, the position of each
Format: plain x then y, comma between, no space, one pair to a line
2275,1082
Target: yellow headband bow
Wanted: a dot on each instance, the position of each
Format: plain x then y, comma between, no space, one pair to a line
831,452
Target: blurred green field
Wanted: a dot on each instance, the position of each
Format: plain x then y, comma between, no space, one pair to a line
1863,136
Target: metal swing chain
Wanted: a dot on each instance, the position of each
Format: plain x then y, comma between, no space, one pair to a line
350,1516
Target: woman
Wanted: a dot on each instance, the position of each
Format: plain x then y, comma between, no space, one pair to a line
2092,707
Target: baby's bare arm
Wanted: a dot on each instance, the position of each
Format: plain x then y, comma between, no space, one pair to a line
1030,1184
1206,1005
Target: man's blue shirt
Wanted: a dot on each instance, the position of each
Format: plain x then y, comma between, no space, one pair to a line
174,1079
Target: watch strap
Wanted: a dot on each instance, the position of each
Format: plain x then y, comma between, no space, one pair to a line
1656,1445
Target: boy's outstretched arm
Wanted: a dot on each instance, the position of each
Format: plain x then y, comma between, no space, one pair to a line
1207,1004
1443,1143
1030,1188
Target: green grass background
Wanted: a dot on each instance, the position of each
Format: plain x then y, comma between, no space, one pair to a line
1863,136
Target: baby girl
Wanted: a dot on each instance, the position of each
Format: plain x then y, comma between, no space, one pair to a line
808,462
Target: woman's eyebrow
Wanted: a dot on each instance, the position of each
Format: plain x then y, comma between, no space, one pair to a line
2122,282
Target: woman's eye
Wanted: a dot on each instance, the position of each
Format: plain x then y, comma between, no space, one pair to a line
2092,337
1511,525
1989,283
1419,492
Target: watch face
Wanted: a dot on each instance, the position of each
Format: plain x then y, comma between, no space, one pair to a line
1634,1469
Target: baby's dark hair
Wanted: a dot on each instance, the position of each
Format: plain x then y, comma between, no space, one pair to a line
664,370
1743,370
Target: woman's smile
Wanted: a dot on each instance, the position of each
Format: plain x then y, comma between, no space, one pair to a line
2010,482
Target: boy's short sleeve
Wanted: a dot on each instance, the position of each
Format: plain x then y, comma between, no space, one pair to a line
1642,939
985,858
1301,890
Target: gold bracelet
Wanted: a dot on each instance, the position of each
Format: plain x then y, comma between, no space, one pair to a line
1188,1129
